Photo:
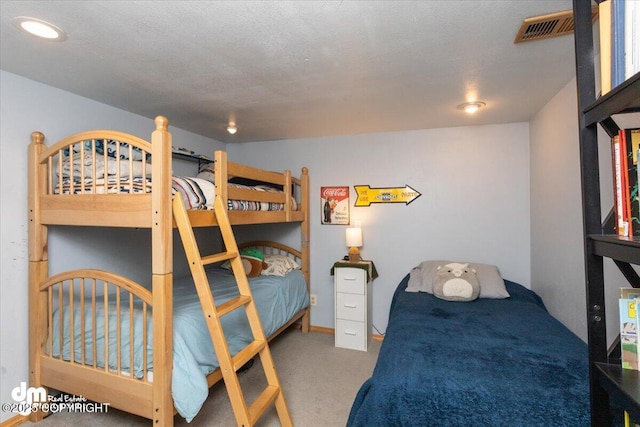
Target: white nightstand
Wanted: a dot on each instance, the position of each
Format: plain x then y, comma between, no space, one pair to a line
353,304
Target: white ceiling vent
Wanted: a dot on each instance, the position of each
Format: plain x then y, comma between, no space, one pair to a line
552,25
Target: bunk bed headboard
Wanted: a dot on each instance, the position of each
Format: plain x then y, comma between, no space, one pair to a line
67,185
273,248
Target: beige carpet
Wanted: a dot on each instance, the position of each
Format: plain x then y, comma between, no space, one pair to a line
319,382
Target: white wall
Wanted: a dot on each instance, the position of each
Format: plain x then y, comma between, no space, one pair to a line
474,204
28,106
557,262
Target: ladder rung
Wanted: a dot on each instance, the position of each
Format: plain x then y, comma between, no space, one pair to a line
232,304
263,401
222,256
244,355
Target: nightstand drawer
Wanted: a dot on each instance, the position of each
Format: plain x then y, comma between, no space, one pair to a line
351,280
351,335
350,306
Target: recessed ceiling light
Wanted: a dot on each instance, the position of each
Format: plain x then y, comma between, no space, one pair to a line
39,28
471,107
232,129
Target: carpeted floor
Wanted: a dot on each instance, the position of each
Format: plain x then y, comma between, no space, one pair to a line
319,380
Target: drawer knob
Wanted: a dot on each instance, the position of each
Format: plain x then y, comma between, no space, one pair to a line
350,333
350,306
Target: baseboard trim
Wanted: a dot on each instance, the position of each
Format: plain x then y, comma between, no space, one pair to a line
332,331
14,421
322,329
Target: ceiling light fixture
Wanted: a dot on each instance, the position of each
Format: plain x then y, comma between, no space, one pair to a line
232,129
471,107
39,28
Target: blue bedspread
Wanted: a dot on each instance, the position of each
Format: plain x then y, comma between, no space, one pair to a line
482,363
277,299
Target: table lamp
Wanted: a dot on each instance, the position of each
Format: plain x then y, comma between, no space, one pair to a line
354,241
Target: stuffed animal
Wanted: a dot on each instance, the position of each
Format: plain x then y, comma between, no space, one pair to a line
253,261
456,282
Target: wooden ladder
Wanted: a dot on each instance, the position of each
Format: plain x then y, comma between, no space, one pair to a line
245,416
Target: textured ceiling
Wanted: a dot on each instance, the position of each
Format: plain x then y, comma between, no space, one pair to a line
297,69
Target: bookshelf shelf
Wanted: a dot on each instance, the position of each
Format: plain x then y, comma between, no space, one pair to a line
625,249
197,158
625,98
622,385
609,382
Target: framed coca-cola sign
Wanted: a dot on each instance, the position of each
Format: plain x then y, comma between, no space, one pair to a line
334,205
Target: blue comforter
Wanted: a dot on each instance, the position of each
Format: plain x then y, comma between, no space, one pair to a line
277,298
482,363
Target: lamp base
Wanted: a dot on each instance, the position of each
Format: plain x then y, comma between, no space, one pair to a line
354,254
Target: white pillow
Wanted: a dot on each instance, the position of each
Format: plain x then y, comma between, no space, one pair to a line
279,265
491,282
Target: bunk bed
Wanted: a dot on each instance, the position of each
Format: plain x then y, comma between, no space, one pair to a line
488,362
109,339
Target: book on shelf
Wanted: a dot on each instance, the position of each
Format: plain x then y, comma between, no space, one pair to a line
619,31
632,38
626,205
617,42
631,142
604,16
622,225
629,327
624,153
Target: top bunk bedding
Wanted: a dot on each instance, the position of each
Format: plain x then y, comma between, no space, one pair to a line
87,169
95,164
489,362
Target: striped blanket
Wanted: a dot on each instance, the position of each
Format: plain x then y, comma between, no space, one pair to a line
198,194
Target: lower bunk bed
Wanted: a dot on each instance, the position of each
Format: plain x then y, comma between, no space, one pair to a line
487,362
100,330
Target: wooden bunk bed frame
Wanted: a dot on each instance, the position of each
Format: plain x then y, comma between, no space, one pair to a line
84,205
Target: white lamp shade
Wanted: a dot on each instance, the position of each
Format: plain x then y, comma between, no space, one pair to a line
354,237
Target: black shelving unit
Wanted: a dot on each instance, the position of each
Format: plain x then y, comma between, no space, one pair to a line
607,378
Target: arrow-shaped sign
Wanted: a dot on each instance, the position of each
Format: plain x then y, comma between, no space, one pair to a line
368,195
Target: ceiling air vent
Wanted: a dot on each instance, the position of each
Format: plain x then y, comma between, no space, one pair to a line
552,25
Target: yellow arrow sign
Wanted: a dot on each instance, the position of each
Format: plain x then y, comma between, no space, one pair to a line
368,195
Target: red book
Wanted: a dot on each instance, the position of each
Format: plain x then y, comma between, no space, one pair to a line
625,161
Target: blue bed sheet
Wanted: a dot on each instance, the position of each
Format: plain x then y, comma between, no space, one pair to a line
277,299
482,363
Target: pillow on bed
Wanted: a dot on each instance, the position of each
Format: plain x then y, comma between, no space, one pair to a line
279,265
206,171
197,193
491,282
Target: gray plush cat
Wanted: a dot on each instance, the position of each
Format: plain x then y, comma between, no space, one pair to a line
456,282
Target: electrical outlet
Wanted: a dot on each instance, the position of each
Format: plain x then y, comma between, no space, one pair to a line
313,299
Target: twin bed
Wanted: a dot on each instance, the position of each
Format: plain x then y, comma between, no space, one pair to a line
144,347
488,362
